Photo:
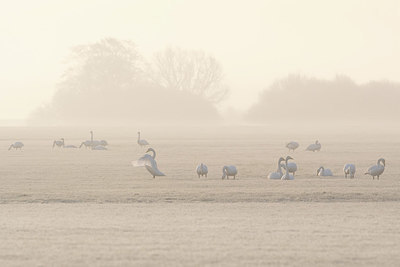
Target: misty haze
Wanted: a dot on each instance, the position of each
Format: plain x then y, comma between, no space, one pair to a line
202,133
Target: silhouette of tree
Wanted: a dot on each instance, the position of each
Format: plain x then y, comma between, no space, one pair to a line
193,71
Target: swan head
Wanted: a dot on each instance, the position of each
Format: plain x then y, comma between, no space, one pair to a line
316,142
281,159
320,168
288,157
150,149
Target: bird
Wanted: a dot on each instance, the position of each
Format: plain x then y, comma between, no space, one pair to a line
59,143
292,145
16,145
292,167
149,163
324,172
141,142
202,170
314,147
278,174
349,169
287,175
377,170
229,171
94,144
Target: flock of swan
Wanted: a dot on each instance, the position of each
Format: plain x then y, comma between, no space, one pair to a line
286,170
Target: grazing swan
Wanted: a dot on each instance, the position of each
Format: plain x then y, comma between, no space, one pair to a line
349,169
229,171
150,163
314,147
324,172
202,170
278,174
292,145
59,143
287,176
141,142
377,169
16,145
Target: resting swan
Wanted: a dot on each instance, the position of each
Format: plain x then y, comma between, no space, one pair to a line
202,170
16,145
287,176
377,170
324,172
314,147
278,174
149,162
349,169
229,171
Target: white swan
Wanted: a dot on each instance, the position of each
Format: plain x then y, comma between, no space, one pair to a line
324,172
59,143
377,169
229,171
141,142
16,145
292,145
202,170
314,147
149,162
349,169
278,174
292,167
94,144
287,175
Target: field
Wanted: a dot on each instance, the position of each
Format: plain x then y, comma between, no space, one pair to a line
66,207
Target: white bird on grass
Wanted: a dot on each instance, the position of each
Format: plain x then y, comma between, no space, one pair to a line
349,169
314,147
16,145
149,163
377,170
141,142
324,172
292,145
202,170
287,175
292,167
229,171
278,174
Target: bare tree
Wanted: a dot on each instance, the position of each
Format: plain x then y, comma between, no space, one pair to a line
194,71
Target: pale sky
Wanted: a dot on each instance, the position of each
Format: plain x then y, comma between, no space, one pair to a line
256,42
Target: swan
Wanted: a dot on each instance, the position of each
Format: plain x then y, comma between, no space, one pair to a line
94,144
292,167
278,174
287,175
16,145
202,170
59,143
349,169
149,162
314,147
377,170
141,142
229,171
324,172
292,145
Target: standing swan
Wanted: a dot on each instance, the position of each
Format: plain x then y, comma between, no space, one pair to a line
141,142
16,145
229,171
59,143
314,147
94,144
349,169
278,174
292,167
287,176
324,172
202,170
377,169
150,163
292,145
